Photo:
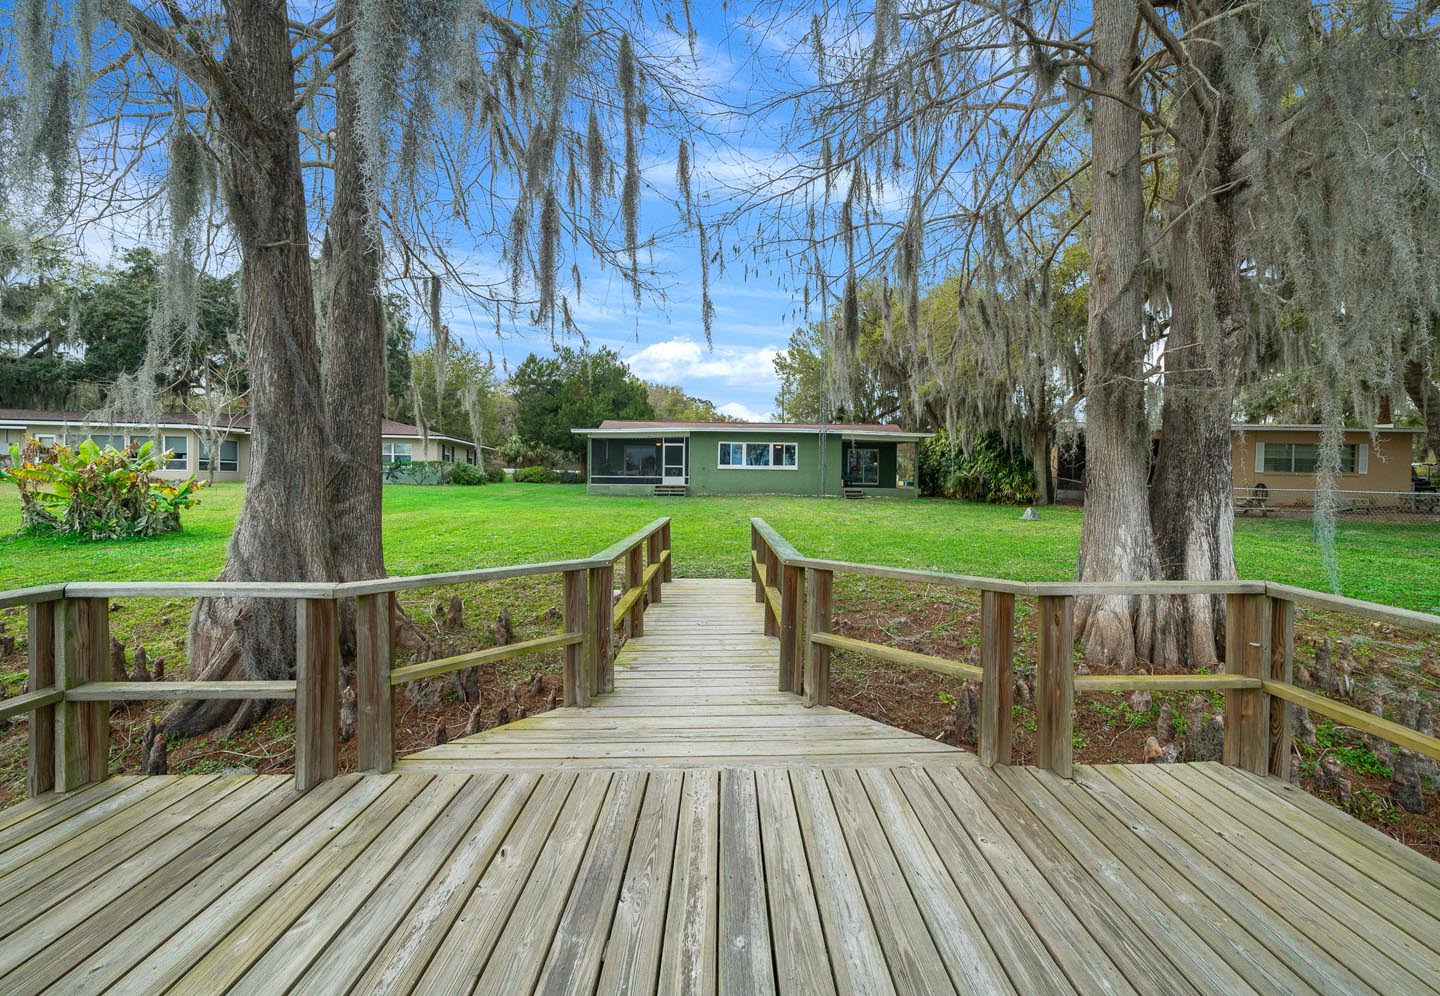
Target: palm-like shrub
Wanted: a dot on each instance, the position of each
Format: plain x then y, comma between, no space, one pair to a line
93,493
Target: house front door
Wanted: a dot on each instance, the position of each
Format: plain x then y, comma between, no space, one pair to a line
673,469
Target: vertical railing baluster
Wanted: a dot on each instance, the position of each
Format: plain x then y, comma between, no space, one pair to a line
790,627
375,722
317,692
1055,685
635,578
82,729
577,655
1281,668
652,555
40,644
1247,710
819,587
997,682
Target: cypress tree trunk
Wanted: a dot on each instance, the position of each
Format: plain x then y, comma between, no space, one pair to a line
354,351
1116,542
1191,501
1425,394
283,532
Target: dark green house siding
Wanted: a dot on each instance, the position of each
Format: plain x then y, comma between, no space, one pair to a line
707,476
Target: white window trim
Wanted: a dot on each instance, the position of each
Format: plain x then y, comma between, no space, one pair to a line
756,442
218,458
181,461
393,457
1362,460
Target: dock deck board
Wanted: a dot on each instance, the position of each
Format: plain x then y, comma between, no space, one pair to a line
698,832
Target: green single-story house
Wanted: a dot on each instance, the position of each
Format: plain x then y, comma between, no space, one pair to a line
733,458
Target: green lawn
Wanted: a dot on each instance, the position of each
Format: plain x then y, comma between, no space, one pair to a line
448,528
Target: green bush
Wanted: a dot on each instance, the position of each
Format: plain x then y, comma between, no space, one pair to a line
96,494
414,472
535,475
495,474
993,471
467,474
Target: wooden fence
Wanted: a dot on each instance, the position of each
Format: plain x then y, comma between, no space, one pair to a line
69,638
1258,680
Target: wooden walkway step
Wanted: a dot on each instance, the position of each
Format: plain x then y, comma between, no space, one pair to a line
698,690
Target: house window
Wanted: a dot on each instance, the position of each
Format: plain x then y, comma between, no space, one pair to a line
111,442
862,466
642,461
395,453
447,453
179,447
1304,458
45,438
470,457
229,461
750,456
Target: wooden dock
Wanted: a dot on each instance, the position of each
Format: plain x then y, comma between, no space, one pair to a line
697,831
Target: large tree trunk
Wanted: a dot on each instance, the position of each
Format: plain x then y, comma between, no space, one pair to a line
1191,501
1425,394
354,352
283,529
1115,542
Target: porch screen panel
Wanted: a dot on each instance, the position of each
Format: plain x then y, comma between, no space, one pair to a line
624,461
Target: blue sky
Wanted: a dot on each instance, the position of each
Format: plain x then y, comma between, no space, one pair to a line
732,68
663,339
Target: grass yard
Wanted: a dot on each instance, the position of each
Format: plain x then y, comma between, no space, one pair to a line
430,529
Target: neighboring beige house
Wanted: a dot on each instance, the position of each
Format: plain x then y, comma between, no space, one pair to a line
1283,458
180,433
1275,465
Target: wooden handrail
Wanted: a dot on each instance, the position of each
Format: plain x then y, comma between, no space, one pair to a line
1358,719
29,702
445,665
927,661
69,637
174,691
1257,682
616,550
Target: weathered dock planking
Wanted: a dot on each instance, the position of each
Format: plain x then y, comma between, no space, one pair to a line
697,831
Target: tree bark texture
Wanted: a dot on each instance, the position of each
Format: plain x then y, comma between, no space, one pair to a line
354,349
1116,543
283,532
1425,394
1191,501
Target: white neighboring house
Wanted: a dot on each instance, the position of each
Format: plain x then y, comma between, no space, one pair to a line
181,433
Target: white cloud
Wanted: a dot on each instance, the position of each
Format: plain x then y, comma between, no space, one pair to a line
736,410
679,360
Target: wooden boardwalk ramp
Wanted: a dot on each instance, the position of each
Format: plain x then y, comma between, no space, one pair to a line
697,832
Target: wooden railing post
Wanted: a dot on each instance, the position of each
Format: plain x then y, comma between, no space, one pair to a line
1055,685
601,629
772,580
317,692
790,628
82,729
652,557
1247,710
1282,668
669,569
756,558
819,587
634,578
375,722
577,655
997,683
40,643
